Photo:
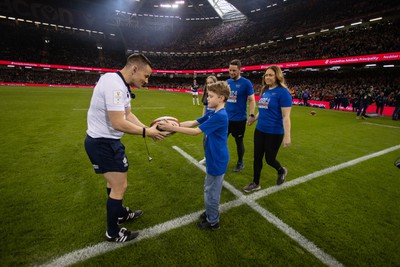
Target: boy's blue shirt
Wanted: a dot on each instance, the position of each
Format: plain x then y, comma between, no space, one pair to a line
215,127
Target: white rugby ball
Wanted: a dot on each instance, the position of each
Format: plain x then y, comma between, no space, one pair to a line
172,120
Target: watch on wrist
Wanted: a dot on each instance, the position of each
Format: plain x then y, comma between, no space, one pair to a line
252,115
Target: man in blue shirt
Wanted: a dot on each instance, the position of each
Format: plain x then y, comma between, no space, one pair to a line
242,91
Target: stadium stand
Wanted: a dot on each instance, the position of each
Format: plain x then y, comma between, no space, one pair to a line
282,36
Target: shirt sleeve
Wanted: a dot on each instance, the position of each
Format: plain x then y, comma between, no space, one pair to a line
250,88
115,95
286,99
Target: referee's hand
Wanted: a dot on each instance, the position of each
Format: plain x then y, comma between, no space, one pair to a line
155,134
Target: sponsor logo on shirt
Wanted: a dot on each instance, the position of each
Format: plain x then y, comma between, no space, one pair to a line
263,103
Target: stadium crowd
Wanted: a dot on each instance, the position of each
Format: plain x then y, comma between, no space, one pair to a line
236,39
53,45
324,86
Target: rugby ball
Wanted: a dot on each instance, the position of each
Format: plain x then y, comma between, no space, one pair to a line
172,120
312,112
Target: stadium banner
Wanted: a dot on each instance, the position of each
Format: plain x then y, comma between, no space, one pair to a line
363,59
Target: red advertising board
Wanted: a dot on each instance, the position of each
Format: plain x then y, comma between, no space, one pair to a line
393,56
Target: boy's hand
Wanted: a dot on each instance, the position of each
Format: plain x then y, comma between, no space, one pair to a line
164,125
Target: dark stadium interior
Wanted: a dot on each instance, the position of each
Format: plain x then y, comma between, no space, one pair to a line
194,36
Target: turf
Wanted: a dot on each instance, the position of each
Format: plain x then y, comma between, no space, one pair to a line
53,203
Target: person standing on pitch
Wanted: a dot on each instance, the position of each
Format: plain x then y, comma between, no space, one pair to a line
396,111
242,91
195,94
108,118
380,101
273,125
210,80
215,128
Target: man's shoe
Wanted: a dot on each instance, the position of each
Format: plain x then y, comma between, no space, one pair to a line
239,167
203,161
282,176
251,187
204,225
130,216
124,235
203,216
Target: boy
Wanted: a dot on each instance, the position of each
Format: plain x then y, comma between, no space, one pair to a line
214,125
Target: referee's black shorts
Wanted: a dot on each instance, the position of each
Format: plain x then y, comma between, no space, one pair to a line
106,155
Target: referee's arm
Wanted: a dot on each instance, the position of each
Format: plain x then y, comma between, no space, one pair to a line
119,123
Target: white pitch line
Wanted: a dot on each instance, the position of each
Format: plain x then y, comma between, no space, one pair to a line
293,234
84,109
382,125
303,179
296,236
104,247
148,107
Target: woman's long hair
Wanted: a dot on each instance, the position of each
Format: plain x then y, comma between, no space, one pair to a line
204,97
280,79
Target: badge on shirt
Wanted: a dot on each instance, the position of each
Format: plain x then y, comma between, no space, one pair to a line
117,97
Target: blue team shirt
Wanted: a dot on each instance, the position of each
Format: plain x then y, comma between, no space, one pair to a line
269,109
236,106
215,127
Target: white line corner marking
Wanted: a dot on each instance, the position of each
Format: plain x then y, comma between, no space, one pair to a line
104,247
293,234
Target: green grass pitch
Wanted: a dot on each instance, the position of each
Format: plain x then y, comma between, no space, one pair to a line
52,203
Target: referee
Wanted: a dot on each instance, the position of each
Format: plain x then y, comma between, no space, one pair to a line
108,118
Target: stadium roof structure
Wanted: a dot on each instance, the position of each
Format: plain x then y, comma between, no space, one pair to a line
101,14
224,10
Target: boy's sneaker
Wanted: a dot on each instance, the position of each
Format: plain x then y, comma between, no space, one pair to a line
206,225
130,216
203,216
124,235
282,177
239,167
251,187
203,161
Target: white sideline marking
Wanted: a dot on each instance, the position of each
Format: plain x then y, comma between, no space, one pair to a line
293,234
148,108
382,125
104,247
84,109
302,179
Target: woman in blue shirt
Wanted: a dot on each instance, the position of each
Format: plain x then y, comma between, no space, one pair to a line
273,125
